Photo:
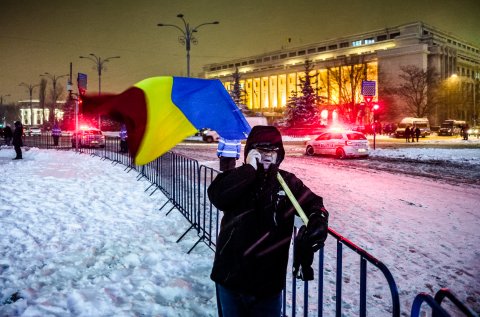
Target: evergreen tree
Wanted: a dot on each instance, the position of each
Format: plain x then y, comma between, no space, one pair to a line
302,108
237,93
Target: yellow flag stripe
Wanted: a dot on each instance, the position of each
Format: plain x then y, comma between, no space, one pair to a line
166,124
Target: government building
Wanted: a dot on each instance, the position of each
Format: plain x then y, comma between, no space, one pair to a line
269,79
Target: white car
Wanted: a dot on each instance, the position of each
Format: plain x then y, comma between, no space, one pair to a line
341,144
35,131
210,136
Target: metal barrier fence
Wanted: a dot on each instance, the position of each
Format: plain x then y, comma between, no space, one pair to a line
184,182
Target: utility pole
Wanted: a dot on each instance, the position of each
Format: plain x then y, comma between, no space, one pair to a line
99,64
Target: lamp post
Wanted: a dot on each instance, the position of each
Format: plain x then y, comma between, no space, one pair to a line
99,64
30,88
1,106
187,36
54,79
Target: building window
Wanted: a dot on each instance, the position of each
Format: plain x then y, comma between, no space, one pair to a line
282,56
381,37
292,54
301,53
369,41
250,62
244,63
344,44
394,35
311,50
274,58
332,47
357,43
266,59
322,49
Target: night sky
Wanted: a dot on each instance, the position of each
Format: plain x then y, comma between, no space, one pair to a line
45,36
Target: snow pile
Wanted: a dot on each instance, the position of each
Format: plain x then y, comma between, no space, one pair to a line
80,237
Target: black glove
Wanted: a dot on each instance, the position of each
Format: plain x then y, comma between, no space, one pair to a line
302,256
317,230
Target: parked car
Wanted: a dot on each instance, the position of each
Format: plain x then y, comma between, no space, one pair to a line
209,136
35,131
89,137
341,144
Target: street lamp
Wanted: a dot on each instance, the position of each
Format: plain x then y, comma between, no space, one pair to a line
30,88
99,64
54,79
187,36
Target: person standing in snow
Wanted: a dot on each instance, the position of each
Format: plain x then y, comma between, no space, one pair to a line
228,151
407,134
123,139
56,132
252,249
417,133
17,140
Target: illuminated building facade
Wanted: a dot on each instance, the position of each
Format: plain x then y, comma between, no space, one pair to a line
39,116
340,65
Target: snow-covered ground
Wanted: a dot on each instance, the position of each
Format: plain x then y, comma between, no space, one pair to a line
80,237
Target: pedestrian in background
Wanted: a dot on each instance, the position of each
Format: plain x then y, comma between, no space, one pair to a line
407,133
56,132
123,139
417,133
7,135
252,250
228,151
17,140
412,133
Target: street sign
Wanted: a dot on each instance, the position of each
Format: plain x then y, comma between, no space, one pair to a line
368,100
82,83
368,88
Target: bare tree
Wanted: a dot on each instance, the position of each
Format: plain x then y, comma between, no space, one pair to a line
55,93
344,79
417,90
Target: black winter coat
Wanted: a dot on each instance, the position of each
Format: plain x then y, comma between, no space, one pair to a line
17,137
253,245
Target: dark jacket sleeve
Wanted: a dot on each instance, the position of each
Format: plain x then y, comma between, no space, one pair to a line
228,187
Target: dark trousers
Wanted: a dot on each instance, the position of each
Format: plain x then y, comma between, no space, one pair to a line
123,146
18,150
233,304
55,139
227,163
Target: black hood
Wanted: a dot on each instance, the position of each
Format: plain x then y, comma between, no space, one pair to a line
265,134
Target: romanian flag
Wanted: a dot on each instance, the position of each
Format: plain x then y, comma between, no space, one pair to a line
160,112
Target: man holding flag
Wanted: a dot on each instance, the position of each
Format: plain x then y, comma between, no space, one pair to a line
252,249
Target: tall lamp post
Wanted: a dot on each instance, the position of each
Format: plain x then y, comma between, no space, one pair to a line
30,88
54,79
187,36
1,106
99,64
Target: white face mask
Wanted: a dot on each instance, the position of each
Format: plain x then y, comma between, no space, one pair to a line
268,158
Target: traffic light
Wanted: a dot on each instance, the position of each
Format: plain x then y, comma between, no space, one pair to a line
375,109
